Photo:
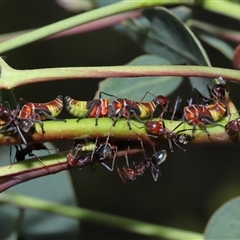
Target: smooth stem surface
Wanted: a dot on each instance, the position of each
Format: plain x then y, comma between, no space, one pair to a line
86,129
223,7
82,18
126,224
11,78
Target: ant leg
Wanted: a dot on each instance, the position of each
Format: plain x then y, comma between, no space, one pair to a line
126,156
21,135
212,123
90,106
121,174
154,172
205,129
99,109
79,119
155,175
39,160
105,146
129,125
156,160
178,126
107,94
176,106
113,161
21,100
48,116
7,104
179,146
205,99
94,150
165,109
170,144
144,153
154,149
193,130
135,116
120,114
146,95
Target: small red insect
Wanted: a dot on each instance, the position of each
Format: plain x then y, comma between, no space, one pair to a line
233,127
138,169
158,128
97,154
218,93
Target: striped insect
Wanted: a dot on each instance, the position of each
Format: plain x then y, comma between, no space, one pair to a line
31,113
138,169
96,108
98,154
200,115
9,124
38,112
158,128
123,107
211,110
22,119
120,107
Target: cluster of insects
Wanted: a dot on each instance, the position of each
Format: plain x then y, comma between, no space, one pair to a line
22,120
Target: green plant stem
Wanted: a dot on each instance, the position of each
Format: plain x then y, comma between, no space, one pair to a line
91,26
86,129
223,7
109,220
11,78
222,32
71,22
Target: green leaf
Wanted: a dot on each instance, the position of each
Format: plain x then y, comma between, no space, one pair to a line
135,88
216,43
9,221
225,222
168,37
182,12
35,223
111,221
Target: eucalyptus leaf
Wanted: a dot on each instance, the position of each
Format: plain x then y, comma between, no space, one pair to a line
135,88
225,222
